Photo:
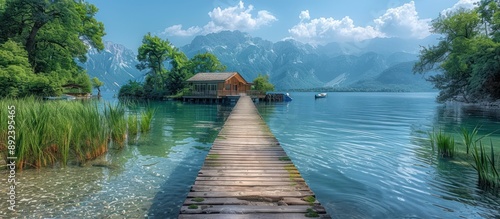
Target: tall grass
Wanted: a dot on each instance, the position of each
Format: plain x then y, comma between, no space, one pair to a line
146,118
445,143
488,176
115,116
54,132
132,123
468,137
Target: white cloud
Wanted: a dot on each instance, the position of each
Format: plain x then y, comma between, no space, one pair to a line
176,30
237,17
304,15
403,22
324,30
465,4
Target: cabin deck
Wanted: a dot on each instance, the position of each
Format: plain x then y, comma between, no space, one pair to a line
247,174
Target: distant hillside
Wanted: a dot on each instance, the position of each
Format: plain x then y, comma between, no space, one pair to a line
294,65
115,66
397,77
289,64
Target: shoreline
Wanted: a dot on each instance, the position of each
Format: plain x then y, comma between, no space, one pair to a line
490,105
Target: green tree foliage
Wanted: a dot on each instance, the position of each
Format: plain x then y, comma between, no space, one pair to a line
133,90
97,84
206,62
16,76
152,54
468,54
167,69
261,83
54,34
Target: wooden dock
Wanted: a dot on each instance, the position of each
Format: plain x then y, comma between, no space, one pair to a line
247,174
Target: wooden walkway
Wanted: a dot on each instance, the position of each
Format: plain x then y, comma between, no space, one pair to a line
248,175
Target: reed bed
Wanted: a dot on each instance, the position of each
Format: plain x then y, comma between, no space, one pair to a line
146,118
481,160
115,116
485,166
55,132
444,143
132,124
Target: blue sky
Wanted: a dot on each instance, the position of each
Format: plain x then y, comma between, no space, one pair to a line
308,21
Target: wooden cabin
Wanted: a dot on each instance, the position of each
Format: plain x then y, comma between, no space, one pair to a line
217,85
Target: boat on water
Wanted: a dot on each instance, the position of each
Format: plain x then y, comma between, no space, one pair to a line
320,95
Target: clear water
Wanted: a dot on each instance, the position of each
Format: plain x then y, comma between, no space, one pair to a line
366,155
150,177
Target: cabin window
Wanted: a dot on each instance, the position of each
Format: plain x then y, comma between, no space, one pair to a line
228,87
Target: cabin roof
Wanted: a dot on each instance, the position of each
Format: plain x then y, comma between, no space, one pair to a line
223,76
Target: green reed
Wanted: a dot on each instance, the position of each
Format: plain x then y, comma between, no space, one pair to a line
488,176
54,132
133,127
115,116
469,137
445,143
146,118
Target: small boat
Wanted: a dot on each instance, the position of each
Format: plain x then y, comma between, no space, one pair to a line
320,95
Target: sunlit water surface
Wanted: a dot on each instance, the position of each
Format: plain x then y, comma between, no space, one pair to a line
365,155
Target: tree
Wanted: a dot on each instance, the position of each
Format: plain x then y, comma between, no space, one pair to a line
206,62
261,83
97,84
54,34
152,55
467,55
14,69
155,53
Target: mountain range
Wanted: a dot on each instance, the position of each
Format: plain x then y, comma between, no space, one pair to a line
114,65
375,64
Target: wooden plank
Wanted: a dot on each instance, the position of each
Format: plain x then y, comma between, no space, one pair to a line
247,174
201,188
242,175
245,209
250,216
250,193
245,201
246,183
246,171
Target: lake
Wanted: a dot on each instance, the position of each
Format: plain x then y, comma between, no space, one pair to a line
365,155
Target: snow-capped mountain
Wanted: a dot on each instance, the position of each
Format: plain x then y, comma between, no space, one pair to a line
115,65
289,64
294,65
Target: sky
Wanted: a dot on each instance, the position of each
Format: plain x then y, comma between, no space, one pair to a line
309,21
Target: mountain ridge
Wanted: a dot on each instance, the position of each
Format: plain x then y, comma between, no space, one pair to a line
288,63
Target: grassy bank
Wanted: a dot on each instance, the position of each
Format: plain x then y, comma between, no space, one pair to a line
56,132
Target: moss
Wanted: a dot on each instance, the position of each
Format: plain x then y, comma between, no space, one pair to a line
310,199
198,199
212,156
193,206
311,213
284,159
